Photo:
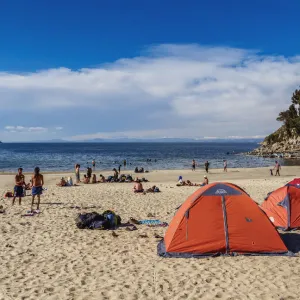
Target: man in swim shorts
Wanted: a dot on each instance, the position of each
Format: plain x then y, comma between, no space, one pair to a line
18,189
37,186
193,165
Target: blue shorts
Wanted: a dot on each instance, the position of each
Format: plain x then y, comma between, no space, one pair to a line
37,190
18,191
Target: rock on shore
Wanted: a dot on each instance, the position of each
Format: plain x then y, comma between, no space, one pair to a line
281,143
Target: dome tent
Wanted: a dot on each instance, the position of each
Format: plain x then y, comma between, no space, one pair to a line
220,219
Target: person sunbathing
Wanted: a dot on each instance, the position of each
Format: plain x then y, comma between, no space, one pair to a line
138,187
62,182
102,178
153,189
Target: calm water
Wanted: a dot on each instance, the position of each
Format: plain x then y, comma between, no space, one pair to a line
62,157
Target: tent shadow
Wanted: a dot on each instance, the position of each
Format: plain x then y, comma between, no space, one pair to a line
292,241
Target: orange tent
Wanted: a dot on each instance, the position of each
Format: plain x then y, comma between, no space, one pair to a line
217,219
283,207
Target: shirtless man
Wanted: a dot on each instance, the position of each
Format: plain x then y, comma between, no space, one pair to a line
277,168
138,187
18,190
37,186
193,165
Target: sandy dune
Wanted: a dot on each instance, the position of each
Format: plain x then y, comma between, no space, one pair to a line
47,257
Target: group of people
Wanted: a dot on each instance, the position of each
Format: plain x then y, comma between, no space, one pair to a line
181,182
36,184
276,168
206,165
139,170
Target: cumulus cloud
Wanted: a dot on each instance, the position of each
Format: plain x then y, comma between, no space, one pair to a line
171,90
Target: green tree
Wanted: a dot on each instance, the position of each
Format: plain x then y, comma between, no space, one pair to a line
291,117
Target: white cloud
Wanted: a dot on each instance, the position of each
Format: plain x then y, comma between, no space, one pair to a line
59,128
25,129
204,91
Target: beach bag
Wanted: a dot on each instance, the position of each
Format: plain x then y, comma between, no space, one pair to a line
8,195
113,219
85,220
156,190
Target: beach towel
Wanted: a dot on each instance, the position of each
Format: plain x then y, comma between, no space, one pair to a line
153,223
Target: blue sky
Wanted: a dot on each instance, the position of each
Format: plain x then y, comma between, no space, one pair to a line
88,69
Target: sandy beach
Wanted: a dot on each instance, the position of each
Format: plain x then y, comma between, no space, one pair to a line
48,257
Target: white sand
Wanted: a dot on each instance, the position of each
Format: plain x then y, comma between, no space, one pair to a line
47,257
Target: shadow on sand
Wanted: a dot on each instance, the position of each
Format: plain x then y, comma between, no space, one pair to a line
292,241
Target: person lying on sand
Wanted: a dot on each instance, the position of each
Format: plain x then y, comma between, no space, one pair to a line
62,182
138,187
153,189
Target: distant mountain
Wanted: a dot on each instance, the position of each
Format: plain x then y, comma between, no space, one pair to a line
155,140
174,140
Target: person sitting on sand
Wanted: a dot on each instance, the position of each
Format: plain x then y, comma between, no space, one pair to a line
37,187
102,178
205,182
86,180
94,179
62,182
89,172
77,173
18,189
136,170
116,174
138,187
180,181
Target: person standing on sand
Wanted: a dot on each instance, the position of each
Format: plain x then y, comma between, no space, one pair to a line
18,189
193,165
120,168
77,173
206,165
124,162
225,165
37,187
277,168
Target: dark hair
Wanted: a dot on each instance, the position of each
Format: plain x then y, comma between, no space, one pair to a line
20,169
36,172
